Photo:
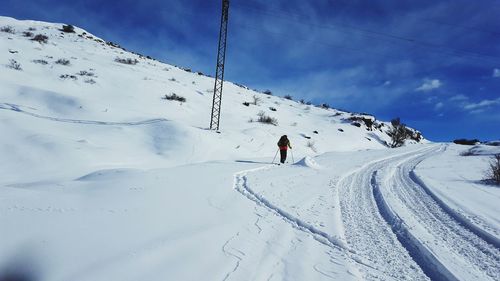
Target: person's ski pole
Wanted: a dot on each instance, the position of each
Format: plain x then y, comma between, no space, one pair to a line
275,156
293,161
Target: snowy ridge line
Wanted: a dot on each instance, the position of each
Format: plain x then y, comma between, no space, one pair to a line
240,184
16,108
461,219
423,256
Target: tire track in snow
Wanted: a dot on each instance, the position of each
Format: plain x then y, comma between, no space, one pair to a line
367,232
459,249
486,236
17,108
432,267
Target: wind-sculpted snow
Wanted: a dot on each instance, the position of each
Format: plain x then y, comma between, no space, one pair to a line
308,162
18,108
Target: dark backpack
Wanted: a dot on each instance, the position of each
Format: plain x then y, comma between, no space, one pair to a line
283,141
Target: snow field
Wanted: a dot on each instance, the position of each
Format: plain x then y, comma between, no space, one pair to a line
105,180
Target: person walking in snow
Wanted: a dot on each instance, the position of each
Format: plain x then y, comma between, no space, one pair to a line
283,145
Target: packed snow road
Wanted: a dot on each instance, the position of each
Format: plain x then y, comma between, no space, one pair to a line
446,246
384,219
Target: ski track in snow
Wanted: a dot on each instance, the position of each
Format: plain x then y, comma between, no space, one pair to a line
472,257
17,108
241,185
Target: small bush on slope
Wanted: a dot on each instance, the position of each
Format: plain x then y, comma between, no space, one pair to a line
398,133
493,172
7,29
43,62
256,100
40,38
175,97
68,28
13,64
63,61
263,118
127,61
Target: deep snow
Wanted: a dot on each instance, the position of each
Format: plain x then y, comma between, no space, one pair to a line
102,179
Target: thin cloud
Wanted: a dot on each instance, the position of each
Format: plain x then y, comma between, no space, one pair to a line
459,98
479,106
429,85
438,106
496,72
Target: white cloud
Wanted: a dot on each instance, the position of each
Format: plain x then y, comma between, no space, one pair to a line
438,106
479,106
429,85
459,98
496,72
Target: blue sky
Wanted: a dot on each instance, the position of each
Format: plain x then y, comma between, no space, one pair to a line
434,64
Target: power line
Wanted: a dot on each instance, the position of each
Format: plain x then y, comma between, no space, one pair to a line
425,72
336,26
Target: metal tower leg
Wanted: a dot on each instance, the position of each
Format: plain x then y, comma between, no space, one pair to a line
219,72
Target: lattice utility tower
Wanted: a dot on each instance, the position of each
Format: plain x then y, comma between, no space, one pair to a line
219,72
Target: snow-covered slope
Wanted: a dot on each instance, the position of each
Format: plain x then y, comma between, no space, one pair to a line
71,97
102,179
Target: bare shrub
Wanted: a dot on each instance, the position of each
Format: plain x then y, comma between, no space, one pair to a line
68,28
263,118
7,29
28,34
175,97
127,61
268,92
43,62
398,133
256,100
67,76
63,62
493,172
312,146
13,64
288,97
40,38
86,73
90,81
